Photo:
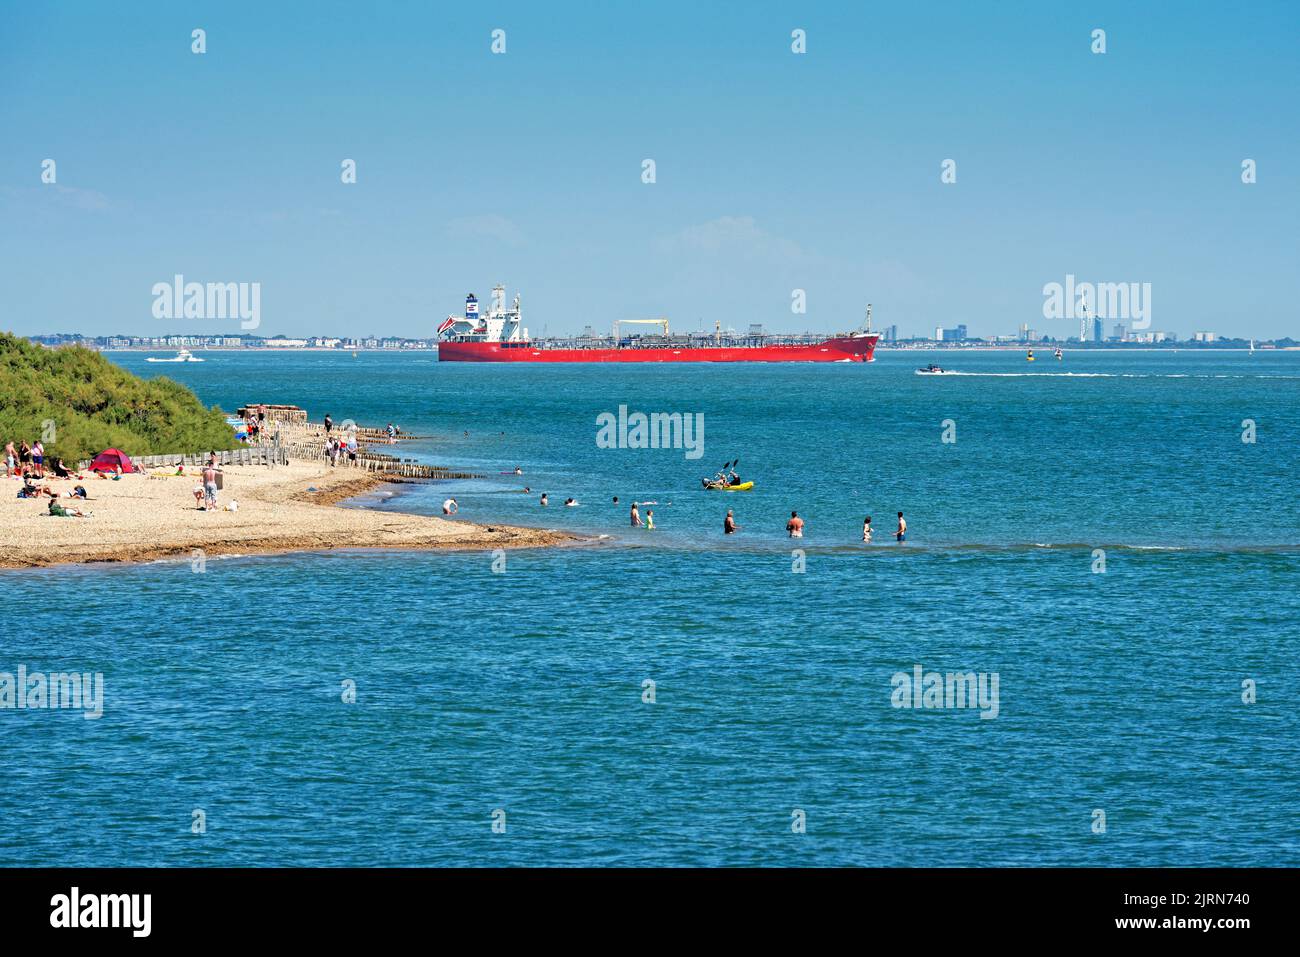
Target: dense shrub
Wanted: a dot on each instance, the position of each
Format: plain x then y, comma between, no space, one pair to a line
95,405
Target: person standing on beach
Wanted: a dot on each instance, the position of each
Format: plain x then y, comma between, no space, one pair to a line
636,516
38,459
329,424
866,529
729,525
210,483
901,534
795,525
11,458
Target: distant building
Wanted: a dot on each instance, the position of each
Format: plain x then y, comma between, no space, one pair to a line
891,333
1203,336
955,334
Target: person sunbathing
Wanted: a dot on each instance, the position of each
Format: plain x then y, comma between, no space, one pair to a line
67,511
61,470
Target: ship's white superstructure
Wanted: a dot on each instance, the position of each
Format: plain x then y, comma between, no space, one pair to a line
499,325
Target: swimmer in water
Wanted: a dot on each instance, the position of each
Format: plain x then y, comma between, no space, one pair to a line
545,500
866,529
901,534
636,516
570,502
729,524
795,525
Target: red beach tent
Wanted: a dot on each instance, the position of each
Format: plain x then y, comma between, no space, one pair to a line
110,459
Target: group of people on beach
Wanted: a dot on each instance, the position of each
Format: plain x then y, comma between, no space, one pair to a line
26,463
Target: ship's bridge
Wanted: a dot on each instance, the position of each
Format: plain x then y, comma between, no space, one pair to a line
501,324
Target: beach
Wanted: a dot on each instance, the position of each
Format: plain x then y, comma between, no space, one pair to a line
142,517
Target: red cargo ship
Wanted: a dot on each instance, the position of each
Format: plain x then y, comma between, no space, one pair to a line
501,337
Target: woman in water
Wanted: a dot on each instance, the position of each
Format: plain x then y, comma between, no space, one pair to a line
866,529
636,516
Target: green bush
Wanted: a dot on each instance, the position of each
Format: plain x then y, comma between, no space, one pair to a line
95,405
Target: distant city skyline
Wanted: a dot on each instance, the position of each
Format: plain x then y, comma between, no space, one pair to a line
945,163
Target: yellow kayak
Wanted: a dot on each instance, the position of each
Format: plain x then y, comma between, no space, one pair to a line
742,487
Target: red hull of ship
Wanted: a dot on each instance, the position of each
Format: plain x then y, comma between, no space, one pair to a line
840,349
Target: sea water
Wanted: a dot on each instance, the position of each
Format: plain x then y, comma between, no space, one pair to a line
1094,532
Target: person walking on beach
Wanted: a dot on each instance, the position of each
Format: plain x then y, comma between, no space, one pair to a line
636,516
795,525
866,529
329,424
210,483
901,534
729,525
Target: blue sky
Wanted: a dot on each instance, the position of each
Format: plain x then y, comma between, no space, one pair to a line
775,171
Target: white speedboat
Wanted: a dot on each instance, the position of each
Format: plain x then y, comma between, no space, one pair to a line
182,356
933,369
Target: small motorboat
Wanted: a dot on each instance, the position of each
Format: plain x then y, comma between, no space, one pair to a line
183,356
1059,355
933,369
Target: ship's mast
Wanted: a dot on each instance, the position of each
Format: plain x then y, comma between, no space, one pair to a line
868,326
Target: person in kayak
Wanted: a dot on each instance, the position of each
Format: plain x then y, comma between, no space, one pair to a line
729,524
795,525
901,534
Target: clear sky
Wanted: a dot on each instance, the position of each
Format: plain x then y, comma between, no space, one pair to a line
775,171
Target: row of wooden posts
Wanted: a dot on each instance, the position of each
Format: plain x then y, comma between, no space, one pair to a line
279,452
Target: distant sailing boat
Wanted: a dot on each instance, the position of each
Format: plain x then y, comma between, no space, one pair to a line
1252,346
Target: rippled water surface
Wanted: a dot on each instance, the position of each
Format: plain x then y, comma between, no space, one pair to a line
523,691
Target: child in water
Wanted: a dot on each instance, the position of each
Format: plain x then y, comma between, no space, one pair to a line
649,520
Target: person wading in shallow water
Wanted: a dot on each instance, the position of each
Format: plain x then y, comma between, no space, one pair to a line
635,516
729,524
795,525
901,534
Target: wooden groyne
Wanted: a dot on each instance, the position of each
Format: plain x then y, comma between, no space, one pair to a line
290,443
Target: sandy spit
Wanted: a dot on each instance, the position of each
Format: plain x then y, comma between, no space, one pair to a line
144,518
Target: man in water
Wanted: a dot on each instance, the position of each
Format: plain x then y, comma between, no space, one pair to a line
729,524
636,516
795,525
545,499
901,534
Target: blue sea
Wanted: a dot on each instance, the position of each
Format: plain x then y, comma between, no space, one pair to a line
1095,532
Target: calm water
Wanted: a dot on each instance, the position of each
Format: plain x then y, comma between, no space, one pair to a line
1119,691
